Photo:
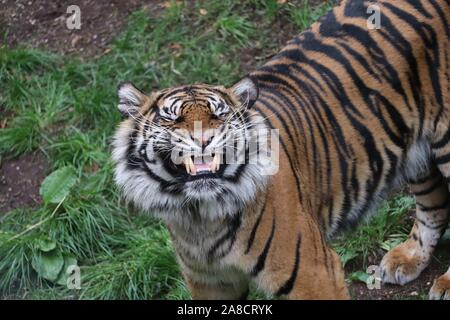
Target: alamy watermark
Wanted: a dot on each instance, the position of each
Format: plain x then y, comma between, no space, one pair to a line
74,21
216,147
74,277
374,20
374,279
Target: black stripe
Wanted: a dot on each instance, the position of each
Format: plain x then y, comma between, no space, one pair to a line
251,239
434,208
393,36
284,147
262,257
442,17
234,223
365,91
336,88
331,79
438,227
412,21
235,178
442,159
379,59
363,61
152,107
422,180
263,101
286,288
428,190
420,8
336,126
442,142
433,64
135,161
289,107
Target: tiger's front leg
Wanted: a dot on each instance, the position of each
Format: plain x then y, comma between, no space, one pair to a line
298,264
228,285
217,291
321,280
405,262
441,287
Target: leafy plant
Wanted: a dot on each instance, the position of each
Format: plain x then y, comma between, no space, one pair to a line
234,26
303,14
387,228
360,276
58,184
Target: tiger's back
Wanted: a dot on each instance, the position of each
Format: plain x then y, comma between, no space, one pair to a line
359,108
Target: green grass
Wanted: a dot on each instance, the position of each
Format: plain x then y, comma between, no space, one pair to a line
65,107
383,231
303,14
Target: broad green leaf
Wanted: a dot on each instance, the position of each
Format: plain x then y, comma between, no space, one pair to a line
359,276
48,264
58,184
46,244
69,260
391,243
347,256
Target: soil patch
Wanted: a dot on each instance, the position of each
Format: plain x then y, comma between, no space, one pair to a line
20,180
43,23
417,289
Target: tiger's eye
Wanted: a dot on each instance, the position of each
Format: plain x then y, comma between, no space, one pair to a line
179,119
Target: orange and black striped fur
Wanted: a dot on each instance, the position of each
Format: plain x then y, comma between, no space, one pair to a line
359,112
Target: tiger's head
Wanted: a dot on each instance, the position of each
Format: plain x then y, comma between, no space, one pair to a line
191,150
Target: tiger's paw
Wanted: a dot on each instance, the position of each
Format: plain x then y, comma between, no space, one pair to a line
441,288
400,266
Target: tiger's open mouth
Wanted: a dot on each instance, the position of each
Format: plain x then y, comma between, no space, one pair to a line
202,164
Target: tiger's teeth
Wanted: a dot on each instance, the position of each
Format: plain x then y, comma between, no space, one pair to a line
193,168
187,164
215,163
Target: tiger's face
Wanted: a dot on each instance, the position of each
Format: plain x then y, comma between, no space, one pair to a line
188,150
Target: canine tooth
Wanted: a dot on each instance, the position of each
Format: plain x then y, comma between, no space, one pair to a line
187,165
215,163
192,167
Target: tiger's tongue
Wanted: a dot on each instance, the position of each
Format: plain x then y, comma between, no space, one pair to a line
198,165
202,167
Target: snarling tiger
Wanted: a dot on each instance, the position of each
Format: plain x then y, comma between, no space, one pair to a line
358,111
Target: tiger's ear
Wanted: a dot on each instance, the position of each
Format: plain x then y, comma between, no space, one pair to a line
246,91
131,99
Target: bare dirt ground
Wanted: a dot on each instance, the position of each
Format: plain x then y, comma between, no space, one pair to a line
20,180
42,23
417,289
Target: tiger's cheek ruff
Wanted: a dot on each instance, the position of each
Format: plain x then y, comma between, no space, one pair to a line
132,175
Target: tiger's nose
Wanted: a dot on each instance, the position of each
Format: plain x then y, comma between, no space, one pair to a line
204,139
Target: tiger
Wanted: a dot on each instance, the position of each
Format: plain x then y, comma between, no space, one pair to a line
357,110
